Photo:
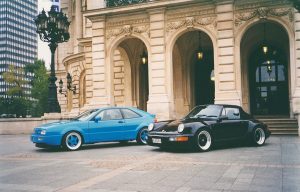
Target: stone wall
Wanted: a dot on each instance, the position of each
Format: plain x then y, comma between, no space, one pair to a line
119,79
14,126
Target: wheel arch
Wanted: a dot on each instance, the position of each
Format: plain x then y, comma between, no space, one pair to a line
72,130
253,125
197,128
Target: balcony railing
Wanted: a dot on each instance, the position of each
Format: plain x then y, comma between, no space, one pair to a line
117,3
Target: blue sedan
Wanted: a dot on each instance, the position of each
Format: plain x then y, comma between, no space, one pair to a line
93,126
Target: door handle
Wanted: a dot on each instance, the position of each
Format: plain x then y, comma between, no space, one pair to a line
121,121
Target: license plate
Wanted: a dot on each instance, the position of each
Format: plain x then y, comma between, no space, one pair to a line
156,140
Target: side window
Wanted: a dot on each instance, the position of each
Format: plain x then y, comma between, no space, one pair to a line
128,114
110,114
223,112
232,113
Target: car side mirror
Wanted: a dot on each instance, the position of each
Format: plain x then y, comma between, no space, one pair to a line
97,119
222,118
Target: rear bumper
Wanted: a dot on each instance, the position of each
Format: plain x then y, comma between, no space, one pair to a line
167,139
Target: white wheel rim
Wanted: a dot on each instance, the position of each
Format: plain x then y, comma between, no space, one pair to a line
73,141
259,136
204,140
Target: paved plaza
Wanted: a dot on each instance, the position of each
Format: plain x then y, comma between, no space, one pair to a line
130,167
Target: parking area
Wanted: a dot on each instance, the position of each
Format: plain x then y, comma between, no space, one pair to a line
130,167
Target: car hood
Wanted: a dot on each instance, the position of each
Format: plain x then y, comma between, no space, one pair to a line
172,126
57,124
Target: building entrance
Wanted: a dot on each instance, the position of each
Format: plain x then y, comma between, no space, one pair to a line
269,83
265,69
193,71
204,81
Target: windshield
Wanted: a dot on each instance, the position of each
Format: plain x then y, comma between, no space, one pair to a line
86,115
210,111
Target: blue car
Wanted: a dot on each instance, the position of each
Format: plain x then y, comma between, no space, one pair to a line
93,126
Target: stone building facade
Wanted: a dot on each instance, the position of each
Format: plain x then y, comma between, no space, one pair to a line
250,55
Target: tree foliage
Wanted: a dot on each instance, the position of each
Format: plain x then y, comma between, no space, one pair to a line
39,89
17,101
15,77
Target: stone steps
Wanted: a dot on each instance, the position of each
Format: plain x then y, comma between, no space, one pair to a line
280,125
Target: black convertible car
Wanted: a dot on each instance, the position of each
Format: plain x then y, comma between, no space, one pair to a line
206,125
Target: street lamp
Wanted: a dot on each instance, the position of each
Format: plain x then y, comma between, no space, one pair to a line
144,58
200,50
264,45
53,29
70,86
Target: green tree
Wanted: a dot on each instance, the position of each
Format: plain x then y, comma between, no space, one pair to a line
15,102
15,77
39,89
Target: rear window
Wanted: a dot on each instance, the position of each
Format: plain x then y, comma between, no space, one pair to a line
232,113
129,114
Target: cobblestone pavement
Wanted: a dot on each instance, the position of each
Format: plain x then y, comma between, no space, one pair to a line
115,167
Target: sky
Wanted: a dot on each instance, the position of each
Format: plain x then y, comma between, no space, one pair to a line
43,49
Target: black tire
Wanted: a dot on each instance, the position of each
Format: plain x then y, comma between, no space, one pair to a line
141,139
203,140
72,141
258,136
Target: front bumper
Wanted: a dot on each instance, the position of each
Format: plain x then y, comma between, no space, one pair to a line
44,140
169,139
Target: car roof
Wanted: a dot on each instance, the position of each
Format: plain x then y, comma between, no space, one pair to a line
122,107
116,107
222,105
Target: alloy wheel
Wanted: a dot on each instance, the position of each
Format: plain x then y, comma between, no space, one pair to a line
259,136
73,141
204,140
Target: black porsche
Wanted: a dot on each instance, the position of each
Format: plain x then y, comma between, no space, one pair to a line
206,125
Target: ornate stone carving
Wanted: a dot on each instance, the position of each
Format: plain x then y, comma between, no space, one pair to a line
127,30
263,13
190,22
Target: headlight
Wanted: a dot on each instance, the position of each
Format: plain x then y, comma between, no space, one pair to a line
43,132
180,127
150,127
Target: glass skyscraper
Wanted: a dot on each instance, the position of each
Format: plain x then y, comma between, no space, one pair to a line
18,39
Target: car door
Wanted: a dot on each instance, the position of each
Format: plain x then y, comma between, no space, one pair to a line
232,127
132,123
109,127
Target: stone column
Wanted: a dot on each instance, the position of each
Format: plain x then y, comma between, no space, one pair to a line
100,84
295,72
78,26
158,102
226,78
